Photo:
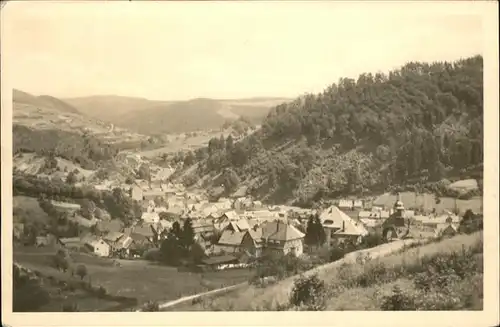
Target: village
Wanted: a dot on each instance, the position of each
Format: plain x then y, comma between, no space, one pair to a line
230,230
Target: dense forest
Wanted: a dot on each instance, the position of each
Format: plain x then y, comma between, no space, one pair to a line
417,124
85,150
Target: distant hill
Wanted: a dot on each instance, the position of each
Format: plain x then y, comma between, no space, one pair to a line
158,117
112,107
44,101
185,116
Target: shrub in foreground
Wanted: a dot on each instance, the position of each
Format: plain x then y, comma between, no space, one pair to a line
398,301
151,306
309,293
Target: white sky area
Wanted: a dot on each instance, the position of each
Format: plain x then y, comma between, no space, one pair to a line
177,51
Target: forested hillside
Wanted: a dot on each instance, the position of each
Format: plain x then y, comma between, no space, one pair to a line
420,123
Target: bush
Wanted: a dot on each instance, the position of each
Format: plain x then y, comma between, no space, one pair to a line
151,306
371,240
309,293
70,307
398,301
81,270
101,292
336,254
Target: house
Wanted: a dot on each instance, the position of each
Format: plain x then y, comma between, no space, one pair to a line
136,193
280,237
71,242
42,241
357,204
66,206
84,222
240,192
371,222
139,244
122,246
203,227
224,220
99,247
373,215
223,204
464,185
216,262
150,217
345,204
257,205
176,211
262,215
152,194
447,229
114,225
252,242
112,238
163,225
160,209
242,203
367,214
145,230
229,241
339,227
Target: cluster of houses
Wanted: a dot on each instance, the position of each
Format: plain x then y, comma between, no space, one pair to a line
224,231
226,228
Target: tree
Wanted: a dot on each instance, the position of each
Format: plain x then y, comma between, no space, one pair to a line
229,143
230,180
197,253
170,251
309,292
321,236
315,234
187,236
189,159
81,270
176,230
144,172
88,208
310,231
61,261
71,178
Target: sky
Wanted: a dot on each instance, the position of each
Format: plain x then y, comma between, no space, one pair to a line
179,51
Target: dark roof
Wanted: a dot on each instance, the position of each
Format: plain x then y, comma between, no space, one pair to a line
280,231
219,259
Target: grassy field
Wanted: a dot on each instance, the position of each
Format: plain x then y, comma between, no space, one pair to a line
182,144
27,208
139,279
357,286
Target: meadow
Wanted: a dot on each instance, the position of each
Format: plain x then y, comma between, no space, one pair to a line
138,279
27,208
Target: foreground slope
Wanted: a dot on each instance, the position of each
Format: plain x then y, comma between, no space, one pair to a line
354,285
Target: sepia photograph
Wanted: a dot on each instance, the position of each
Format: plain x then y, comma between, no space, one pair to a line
261,157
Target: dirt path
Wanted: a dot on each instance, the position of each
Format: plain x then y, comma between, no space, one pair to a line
195,296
